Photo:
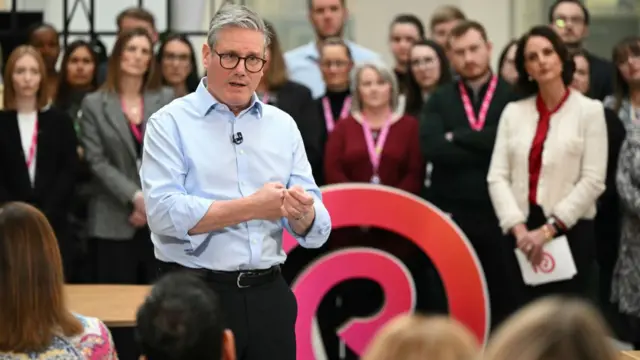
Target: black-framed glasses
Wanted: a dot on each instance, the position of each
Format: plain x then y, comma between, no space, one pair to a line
426,61
340,64
252,63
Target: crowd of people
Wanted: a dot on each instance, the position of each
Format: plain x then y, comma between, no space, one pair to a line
115,155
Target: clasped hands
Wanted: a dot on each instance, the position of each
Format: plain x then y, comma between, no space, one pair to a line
273,201
532,242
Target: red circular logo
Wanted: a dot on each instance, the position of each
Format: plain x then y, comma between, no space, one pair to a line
413,218
548,263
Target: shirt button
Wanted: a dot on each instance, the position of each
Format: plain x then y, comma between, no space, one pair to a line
241,152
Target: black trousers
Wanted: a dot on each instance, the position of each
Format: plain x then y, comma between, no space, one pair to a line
126,261
495,255
582,242
262,317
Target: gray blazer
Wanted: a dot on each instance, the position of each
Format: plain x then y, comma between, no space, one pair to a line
110,150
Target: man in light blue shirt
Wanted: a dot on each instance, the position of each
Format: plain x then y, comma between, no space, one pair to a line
223,176
328,18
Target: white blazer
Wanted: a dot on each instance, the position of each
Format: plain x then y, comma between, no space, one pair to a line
574,161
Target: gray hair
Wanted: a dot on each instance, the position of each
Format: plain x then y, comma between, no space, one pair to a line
387,75
238,16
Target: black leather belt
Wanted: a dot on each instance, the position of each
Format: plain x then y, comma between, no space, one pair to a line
241,279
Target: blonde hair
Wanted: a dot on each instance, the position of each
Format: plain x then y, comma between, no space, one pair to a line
387,75
417,337
553,329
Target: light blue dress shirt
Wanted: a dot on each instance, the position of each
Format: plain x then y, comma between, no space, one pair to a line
304,68
189,162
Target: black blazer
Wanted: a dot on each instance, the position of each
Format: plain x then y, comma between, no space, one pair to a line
296,100
56,164
607,221
601,74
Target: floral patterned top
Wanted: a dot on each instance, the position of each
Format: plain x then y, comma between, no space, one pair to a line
95,343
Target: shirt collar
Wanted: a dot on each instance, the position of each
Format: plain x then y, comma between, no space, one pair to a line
206,102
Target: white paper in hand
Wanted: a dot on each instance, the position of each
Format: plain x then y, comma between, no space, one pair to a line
557,264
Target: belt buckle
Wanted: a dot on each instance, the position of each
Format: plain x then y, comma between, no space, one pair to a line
239,279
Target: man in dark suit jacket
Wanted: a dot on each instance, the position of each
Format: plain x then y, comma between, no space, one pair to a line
570,19
131,18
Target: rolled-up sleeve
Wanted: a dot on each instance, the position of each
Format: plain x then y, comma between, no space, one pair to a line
171,211
302,175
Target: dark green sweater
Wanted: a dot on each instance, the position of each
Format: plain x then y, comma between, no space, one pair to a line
460,166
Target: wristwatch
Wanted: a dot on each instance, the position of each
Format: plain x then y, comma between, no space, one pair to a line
552,221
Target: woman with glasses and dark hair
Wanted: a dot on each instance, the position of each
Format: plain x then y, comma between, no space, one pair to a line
177,64
295,99
112,128
334,105
428,69
549,165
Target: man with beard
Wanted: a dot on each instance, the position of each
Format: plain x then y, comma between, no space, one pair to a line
328,18
458,128
570,19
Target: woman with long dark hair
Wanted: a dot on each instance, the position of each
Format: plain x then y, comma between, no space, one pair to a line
625,100
549,164
77,77
428,69
177,64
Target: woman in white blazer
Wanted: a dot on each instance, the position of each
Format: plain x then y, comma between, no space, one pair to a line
549,163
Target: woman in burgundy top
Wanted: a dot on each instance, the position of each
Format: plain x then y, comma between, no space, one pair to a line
376,144
548,166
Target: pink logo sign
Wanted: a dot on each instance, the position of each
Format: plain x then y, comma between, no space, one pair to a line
413,218
547,265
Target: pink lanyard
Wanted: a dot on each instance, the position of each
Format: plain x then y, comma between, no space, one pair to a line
328,113
477,124
34,144
375,148
265,98
137,133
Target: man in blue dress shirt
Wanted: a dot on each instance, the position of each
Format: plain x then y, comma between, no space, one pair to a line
223,176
